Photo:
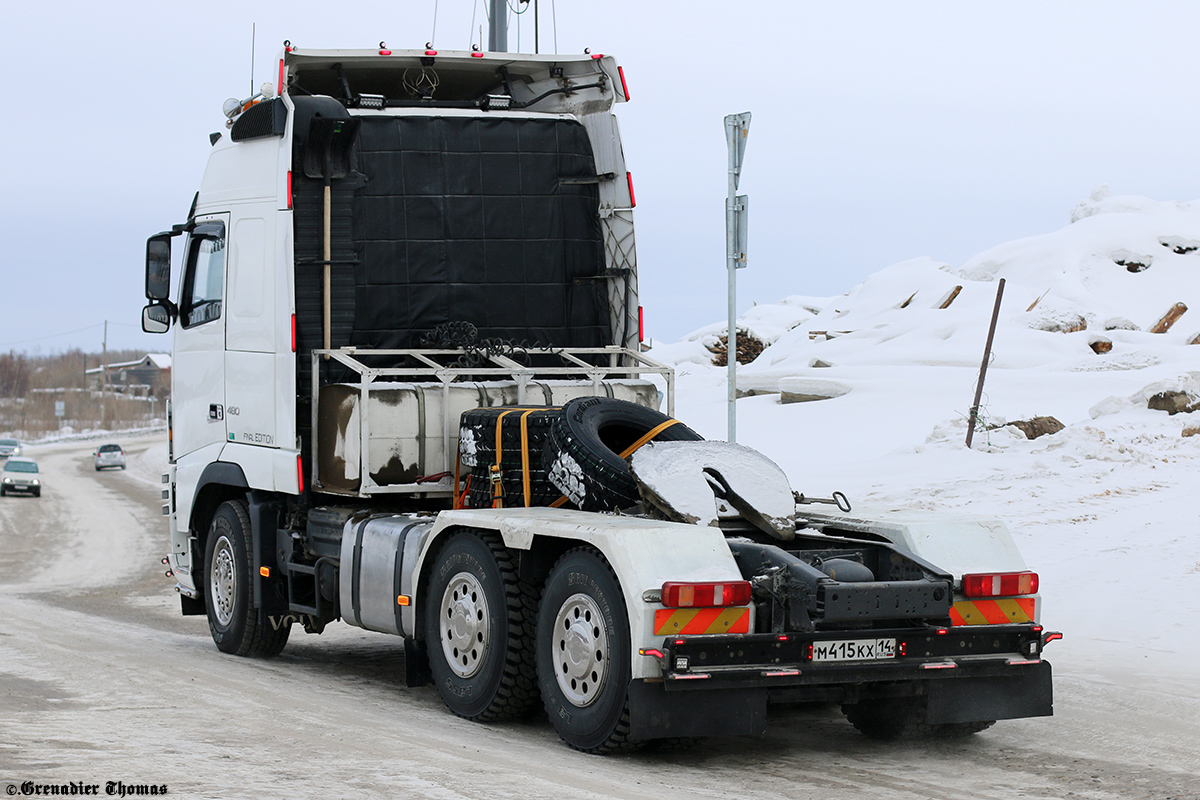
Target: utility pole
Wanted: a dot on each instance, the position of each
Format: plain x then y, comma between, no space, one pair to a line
737,127
104,376
498,27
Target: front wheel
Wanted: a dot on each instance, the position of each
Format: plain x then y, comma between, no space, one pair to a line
479,629
583,658
233,620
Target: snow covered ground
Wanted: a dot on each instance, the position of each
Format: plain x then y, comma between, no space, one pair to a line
1105,510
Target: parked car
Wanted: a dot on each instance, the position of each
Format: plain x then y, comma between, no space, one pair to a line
20,475
9,448
110,455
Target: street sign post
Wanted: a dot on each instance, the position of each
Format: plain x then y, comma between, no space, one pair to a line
737,128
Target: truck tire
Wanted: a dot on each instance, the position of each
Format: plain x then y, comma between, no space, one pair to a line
583,658
583,452
479,624
233,620
961,730
890,718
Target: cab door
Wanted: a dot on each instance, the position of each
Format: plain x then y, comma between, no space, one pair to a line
198,368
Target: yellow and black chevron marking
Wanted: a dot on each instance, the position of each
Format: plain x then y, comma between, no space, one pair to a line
692,621
1007,611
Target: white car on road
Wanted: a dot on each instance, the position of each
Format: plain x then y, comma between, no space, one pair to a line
110,455
20,475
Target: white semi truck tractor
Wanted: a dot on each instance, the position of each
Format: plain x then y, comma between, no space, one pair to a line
408,394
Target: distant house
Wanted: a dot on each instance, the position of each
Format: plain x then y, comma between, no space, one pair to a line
150,374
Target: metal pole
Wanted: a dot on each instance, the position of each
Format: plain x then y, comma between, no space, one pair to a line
987,353
498,27
731,267
737,127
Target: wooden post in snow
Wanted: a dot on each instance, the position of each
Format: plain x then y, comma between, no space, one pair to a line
1169,318
987,353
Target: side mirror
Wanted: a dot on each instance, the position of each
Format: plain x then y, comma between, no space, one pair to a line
158,267
156,317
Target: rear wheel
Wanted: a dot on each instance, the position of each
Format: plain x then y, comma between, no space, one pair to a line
583,659
479,625
233,620
890,718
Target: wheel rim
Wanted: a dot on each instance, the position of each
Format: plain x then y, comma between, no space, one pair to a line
465,624
581,650
223,581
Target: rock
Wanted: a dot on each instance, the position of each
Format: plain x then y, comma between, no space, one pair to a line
1133,262
804,390
749,347
1191,430
1061,323
1037,426
1172,403
816,362
1100,344
1120,324
1179,245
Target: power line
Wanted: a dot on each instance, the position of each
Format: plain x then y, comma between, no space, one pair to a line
66,333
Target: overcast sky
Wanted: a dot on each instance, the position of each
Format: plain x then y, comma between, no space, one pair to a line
882,131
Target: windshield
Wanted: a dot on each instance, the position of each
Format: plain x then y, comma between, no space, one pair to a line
8,442
20,466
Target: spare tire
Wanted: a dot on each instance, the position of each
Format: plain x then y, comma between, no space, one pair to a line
584,450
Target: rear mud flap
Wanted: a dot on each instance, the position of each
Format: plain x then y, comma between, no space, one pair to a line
1028,694
657,714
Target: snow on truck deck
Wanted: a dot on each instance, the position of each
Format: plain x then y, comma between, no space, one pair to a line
1103,510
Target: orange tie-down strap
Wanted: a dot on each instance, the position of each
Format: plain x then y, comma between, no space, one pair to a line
994,612
694,621
628,451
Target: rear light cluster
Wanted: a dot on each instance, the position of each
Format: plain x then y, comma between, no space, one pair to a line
1003,584
705,595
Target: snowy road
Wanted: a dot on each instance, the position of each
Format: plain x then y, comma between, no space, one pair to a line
102,680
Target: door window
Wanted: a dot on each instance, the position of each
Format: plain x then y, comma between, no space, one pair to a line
204,280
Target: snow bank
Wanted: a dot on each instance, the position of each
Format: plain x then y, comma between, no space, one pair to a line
1104,509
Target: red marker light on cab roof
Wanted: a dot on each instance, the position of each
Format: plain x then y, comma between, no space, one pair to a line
431,52
1002,584
597,55
385,52
476,54
705,595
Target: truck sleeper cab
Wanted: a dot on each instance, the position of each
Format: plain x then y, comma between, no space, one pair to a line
389,239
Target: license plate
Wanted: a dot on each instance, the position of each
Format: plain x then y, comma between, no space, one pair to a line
854,650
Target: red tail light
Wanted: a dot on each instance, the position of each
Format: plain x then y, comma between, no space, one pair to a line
289,189
632,198
281,72
624,85
293,333
705,595
300,472
641,324
1001,584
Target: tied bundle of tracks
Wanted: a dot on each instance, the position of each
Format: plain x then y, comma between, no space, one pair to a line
478,352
